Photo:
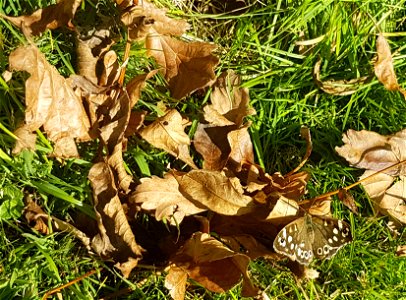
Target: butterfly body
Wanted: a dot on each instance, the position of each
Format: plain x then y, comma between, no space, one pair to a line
310,236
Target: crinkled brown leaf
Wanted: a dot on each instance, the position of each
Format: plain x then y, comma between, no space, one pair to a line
401,251
283,208
215,191
348,200
229,102
162,195
338,87
370,150
51,102
175,282
224,146
135,122
135,85
168,133
115,240
321,207
91,44
242,150
50,17
186,66
25,139
213,265
383,66
112,129
145,19
292,186
212,144
35,216
387,198
39,220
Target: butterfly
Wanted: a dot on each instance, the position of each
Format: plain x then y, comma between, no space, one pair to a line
310,236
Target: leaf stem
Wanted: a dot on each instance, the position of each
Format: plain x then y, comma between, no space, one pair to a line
324,196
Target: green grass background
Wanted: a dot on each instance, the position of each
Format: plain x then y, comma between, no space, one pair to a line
257,42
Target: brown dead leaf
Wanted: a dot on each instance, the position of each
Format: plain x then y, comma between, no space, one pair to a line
35,216
39,220
135,85
242,150
370,150
229,102
348,200
146,18
162,195
51,102
283,208
25,139
91,44
212,144
291,187
50,17
383,66
374,152
168,133
215,191
175,282
401,251
135,122
338,87
112,129
204,259
186,66
115,240
321,207
222,146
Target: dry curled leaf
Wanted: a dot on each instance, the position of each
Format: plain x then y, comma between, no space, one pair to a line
162,195
175,282
91,44
50,17
383,66
388,198
374,152
168,133
25,139
186,66
115,239
146,18
212,144
229,102
401,251
283,208
337,87
348,200
215,191
205,260
35,216
51,102
370,150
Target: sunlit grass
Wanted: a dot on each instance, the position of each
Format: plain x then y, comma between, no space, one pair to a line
260,43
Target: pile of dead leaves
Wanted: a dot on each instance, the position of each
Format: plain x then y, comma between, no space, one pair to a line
230,195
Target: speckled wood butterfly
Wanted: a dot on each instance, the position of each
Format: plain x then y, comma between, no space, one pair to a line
310,236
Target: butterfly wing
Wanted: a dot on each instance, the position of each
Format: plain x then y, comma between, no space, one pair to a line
295,241
329,236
